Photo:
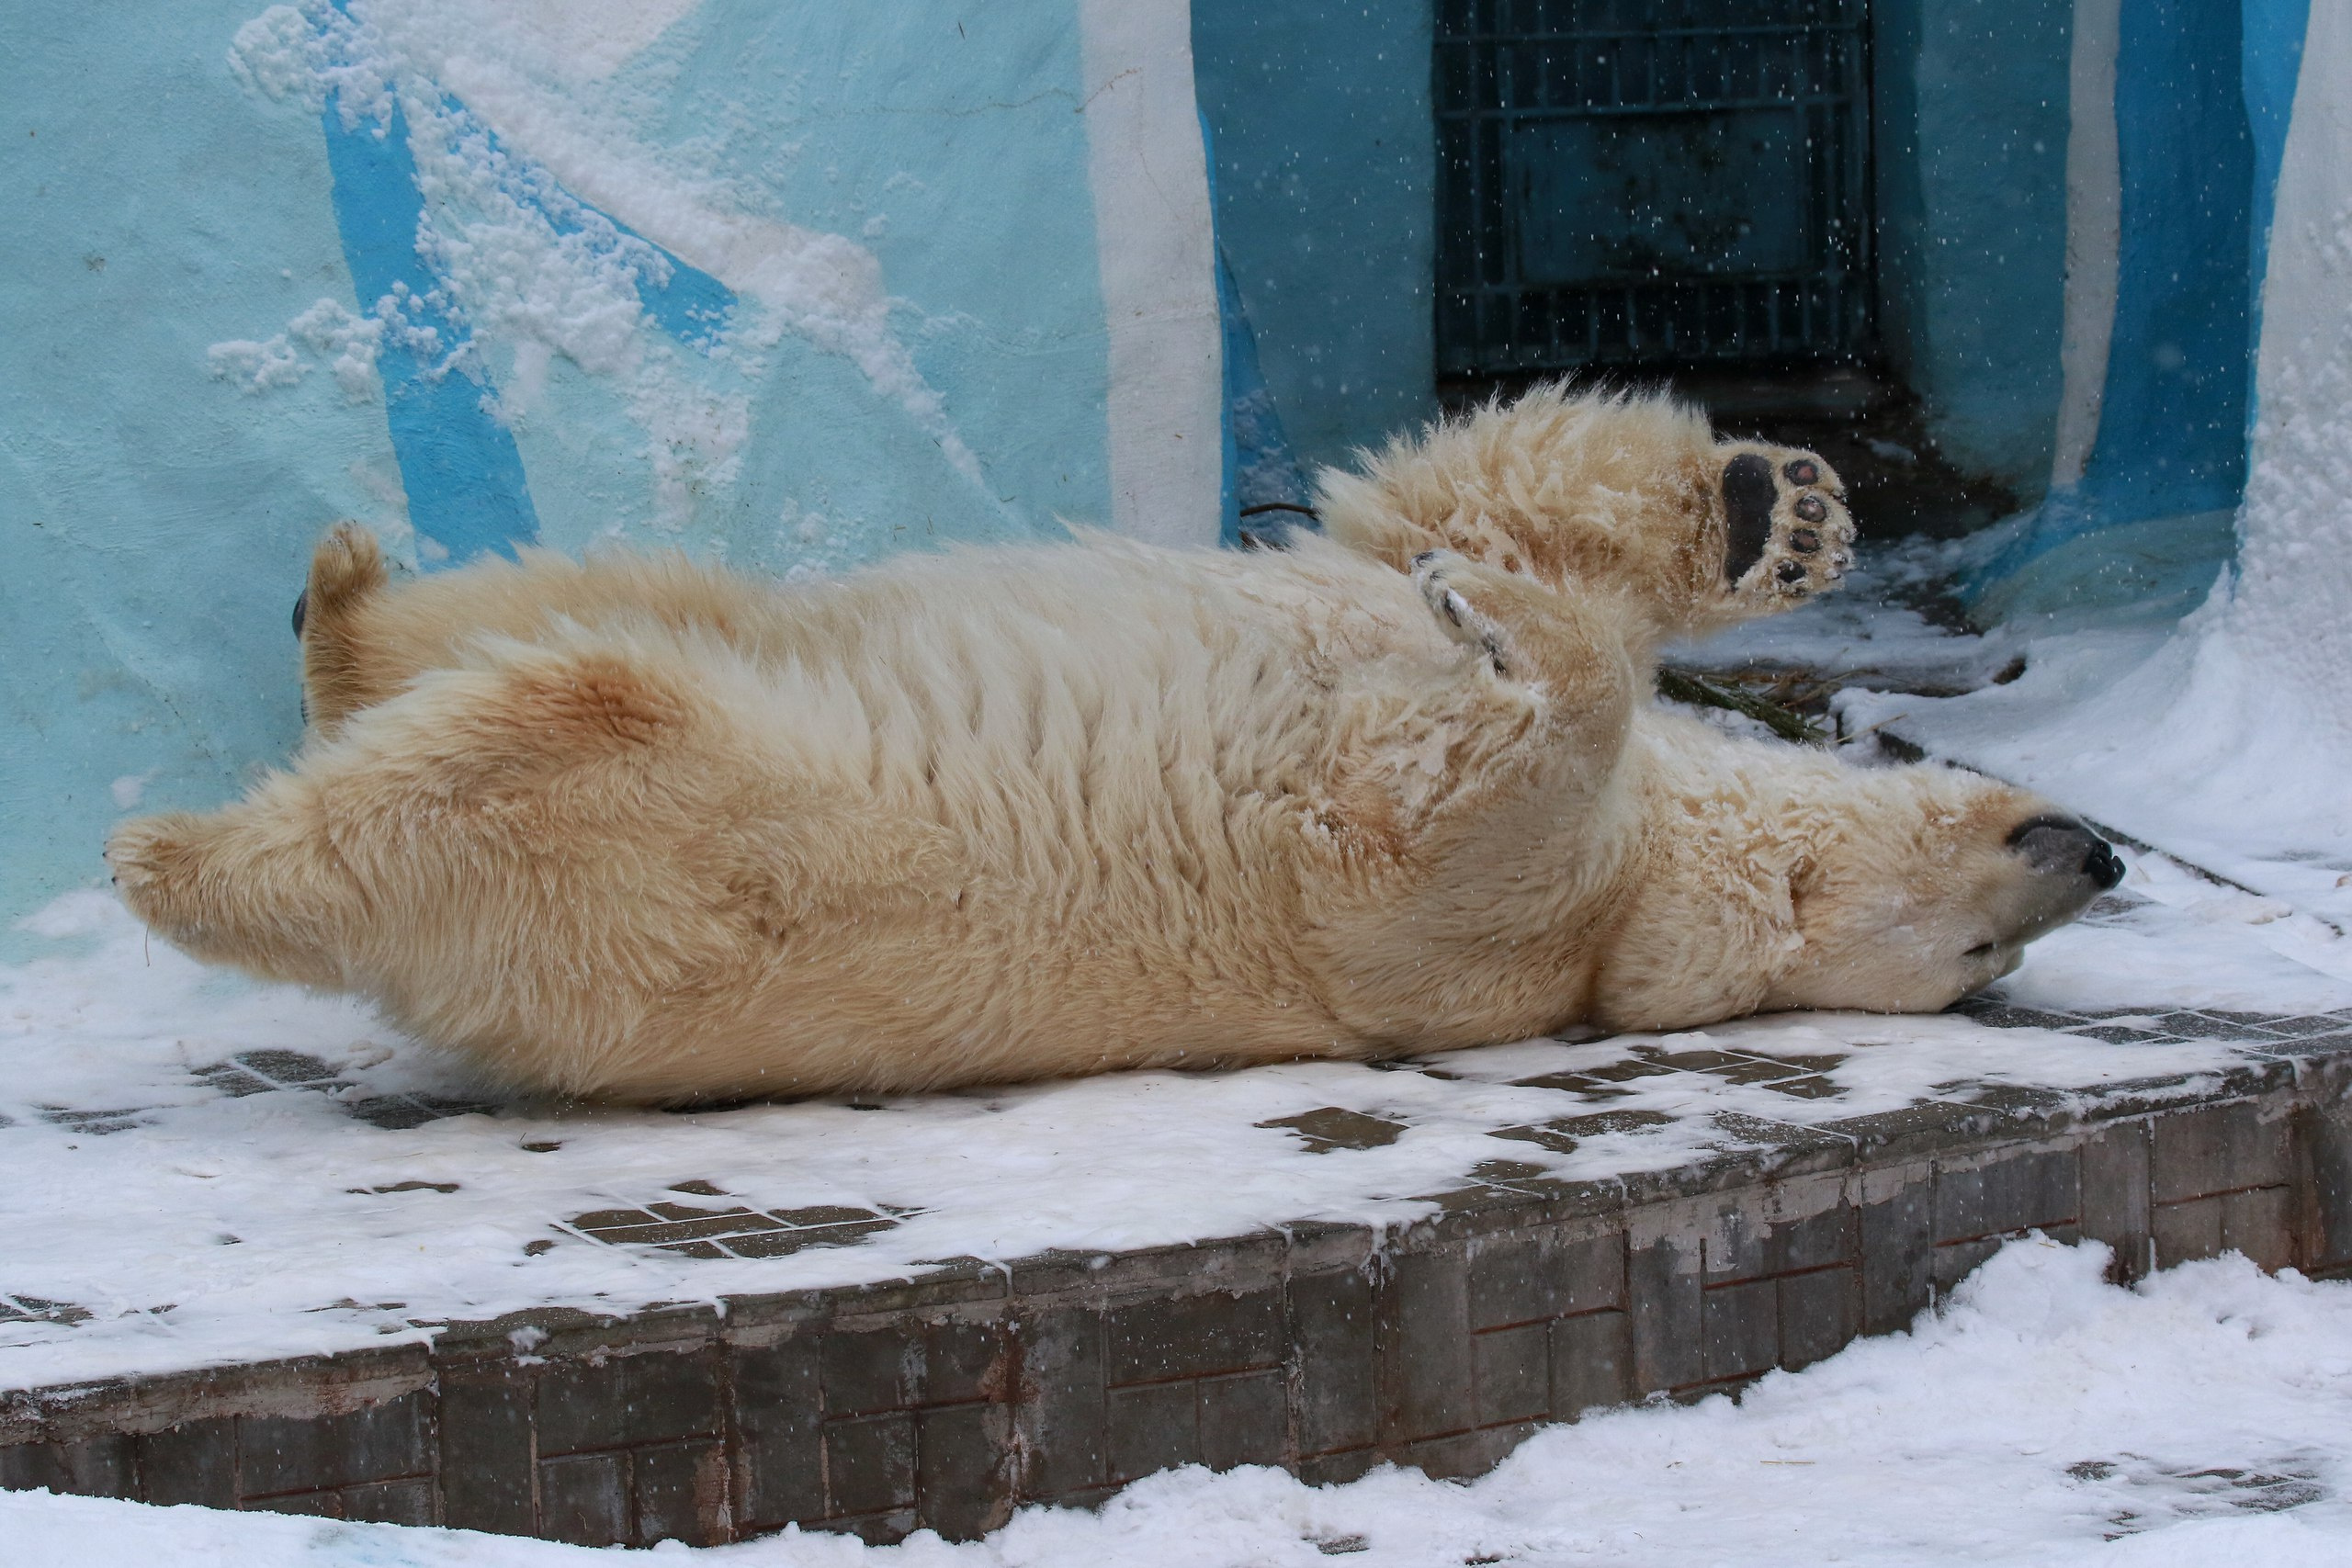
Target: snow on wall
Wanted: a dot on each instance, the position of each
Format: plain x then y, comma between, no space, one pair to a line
795,286
2295,552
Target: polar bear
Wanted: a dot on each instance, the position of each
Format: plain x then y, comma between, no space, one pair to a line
642,830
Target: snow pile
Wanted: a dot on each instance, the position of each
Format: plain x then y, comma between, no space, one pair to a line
2040,1418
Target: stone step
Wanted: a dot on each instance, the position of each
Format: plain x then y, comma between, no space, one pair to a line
1326,1349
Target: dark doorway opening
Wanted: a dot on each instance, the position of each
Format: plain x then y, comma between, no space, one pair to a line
1680,192
1657,185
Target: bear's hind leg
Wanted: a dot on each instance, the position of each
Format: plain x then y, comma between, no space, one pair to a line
1787,535
256,886
1564,667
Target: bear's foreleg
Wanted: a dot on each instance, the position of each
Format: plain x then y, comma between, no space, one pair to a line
1787,535
1564,666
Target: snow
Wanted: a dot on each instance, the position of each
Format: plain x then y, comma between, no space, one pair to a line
2039,1416
1866,632
2172,736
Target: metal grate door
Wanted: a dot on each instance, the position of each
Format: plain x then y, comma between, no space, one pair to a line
1650,181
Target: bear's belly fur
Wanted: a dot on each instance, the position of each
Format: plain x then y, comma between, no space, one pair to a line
996,815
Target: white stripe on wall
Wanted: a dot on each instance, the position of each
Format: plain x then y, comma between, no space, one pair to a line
2295,532
1157,253
2093,234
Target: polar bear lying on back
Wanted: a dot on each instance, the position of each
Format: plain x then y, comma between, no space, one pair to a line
643,831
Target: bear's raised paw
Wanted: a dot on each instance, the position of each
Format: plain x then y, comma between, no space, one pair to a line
1787,535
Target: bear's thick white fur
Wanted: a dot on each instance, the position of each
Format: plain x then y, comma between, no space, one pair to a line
642,830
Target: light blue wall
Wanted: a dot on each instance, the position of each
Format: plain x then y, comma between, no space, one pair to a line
1326,169
152,520
155,517
1972,119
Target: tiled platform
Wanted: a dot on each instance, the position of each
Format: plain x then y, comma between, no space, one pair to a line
1644,1217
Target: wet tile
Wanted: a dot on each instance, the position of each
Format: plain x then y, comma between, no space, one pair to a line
253,1072
1573,1083
94,1124
2000,1015
398,1112
1695,1061
1331,1127
1807,1088
1562,1136
783,1242
2198,1026
1811,1061
39,1309
2295,1028
1752,1071
1627,1070
736,1231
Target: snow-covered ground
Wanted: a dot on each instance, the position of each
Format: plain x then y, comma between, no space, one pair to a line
2040,1418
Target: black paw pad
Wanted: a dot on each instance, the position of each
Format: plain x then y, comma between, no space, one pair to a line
1802,471
1804,541
1749,495
1791,571
302,610
1812,509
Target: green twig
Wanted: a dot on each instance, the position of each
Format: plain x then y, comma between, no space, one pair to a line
1676,685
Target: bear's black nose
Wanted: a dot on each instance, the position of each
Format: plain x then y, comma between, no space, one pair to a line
2060,846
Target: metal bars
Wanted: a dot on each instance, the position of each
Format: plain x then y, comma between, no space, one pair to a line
1650,181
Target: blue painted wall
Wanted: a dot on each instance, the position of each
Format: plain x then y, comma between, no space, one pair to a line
1326,170
2203,93
195,375
2172,424
460,476
1971,109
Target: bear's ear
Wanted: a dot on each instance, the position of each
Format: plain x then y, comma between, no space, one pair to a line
1749,496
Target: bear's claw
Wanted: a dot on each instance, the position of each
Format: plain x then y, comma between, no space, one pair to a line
1433,572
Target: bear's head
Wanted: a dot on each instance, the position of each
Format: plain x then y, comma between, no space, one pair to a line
1771,877
1912,917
